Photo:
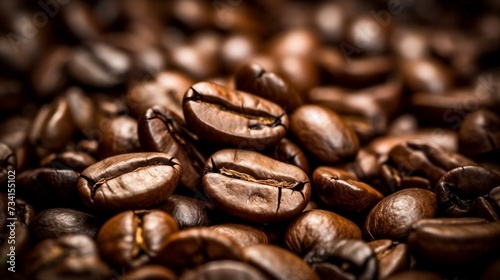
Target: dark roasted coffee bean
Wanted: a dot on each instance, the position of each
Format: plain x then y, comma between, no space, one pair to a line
50,76
56,222
415,275
365,167
346,259
394,179
49,187
129,181
278,263
425,160
344,193
205,245
243,235
187,212
224,270
83,111
392,217
253,187
314,231
52,128
480,133
119,137
150,272
228,117
393,257
287,151
8,163
161,130
488,207
324,134
167,90
459,187
134,238
254,79
99,66
454,241
67,257
68,160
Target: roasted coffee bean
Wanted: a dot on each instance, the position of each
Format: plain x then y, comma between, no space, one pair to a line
479,133
83,111
253,187
49,187
8,163
119,136
324,134
56,222
228,117
187,212
70,256
342,192
488,207
392,257
244,235
149,272
166,89
287,151
254,79
459,187
161,130
300,72
427,75
68,160
415,275
365,167
129,181
49,75
52,128
224,270
392,217
314,231
278,263
134,238
394,179
454,241
346,259
193,61
99,65
426,160
193,247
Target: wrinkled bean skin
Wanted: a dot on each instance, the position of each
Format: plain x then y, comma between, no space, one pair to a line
323,133
129,181
314,231
224,116
394,215
254,187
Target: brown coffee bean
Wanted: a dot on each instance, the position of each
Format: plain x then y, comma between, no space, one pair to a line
393,257
244,235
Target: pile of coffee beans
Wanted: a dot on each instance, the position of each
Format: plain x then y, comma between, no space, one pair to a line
239,139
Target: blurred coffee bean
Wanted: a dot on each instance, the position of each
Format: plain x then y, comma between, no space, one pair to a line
225,116
242,234
324,134
295,42
76,161
192,61
314,231
8,163
368,35
187,212
50,75
479,133
393,217
83,111
56,222
236,49
392,257
129,181
255,188
427,75
300,72
133,238
70,256
457,190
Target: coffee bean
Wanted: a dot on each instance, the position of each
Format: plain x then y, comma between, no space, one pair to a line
393,257
286,151
187,212
205,245
224,270
134,238
49,75
56,222
315,230
480,133
160,130
427,75
68,160
149,272
324,134
255,188
129,181
224,116
459,187
392,217
119,136
70,256
8,163
277,262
